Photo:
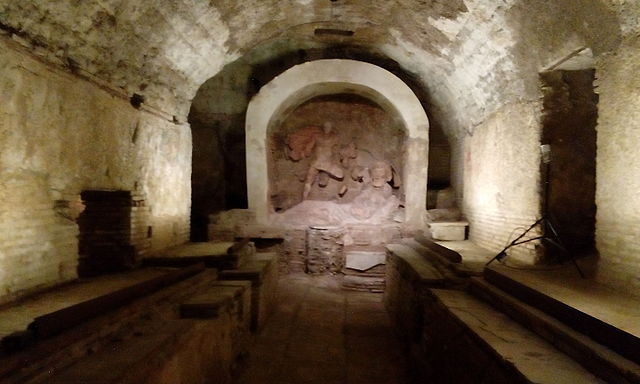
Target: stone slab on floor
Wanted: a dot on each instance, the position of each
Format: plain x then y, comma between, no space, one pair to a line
364,260
523,356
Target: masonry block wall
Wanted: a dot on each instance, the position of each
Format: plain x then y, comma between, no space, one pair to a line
60,135
618,167
501,178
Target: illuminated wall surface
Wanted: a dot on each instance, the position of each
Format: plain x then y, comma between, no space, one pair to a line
60,136
474,65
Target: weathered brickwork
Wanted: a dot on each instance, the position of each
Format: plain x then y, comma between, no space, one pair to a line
618,168
59,136
501,176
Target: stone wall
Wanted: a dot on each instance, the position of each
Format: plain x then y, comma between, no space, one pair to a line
60,135
501,176
618,168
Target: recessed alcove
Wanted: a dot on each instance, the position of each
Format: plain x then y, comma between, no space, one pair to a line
365,133
304,82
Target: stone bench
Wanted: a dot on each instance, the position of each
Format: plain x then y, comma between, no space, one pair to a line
179,351
220,255
468,341
448,230
134,322
262,271
408,274
232,296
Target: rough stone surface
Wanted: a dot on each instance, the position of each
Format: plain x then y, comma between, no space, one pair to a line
60,136
618,168
475,62
325,249
501,178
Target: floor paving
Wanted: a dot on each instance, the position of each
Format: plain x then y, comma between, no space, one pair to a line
321,333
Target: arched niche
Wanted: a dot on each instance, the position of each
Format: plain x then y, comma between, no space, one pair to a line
323,77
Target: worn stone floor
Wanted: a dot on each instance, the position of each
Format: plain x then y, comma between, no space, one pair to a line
323,334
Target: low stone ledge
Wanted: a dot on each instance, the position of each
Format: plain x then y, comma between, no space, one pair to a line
407,276
449,230
262,271
424,271
461,331
159,354
220,255
95,335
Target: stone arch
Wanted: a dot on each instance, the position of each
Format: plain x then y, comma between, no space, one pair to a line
305,81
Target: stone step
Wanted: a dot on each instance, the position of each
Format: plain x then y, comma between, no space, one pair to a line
363,283
608,317
220,255
470,341
211,303
595,357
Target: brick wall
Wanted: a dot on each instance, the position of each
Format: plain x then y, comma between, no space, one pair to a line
60,135
618,168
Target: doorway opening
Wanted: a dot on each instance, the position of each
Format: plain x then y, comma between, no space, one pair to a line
569,119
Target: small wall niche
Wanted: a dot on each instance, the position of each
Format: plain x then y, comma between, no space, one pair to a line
114,232
570,112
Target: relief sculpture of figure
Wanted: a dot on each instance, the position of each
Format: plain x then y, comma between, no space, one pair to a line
375,204
323,161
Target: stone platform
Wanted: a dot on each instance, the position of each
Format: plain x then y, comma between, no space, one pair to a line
505,324
221,255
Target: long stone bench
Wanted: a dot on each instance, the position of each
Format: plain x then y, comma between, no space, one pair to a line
408,274
220,255
468,341
262,271
179,351
122,343
230,296
501,328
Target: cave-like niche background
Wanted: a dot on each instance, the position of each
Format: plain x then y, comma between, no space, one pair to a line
377,135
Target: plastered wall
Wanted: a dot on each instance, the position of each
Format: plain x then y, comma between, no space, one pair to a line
60,135
618,168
